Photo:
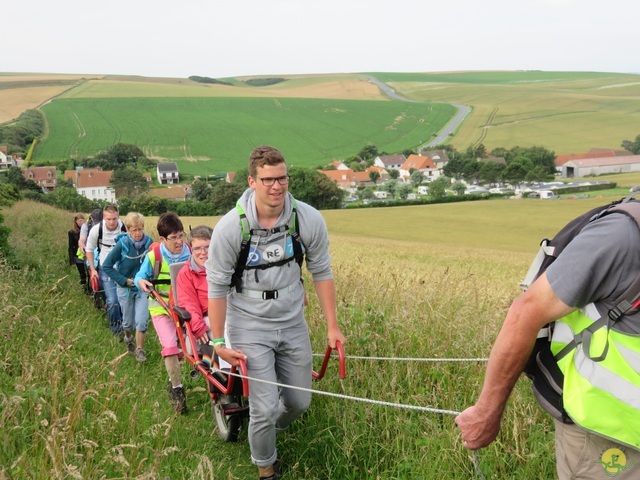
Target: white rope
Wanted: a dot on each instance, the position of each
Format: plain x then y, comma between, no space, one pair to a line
397,359
476,460
344,397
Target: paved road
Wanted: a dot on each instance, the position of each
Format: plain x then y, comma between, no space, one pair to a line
462,113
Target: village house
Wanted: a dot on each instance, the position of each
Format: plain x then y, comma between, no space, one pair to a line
389,162
421,164
339,165
438,157
92,183
172,192
45,177
167,173
384,174
348,179
8,161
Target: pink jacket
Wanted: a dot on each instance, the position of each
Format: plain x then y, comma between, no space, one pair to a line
193,296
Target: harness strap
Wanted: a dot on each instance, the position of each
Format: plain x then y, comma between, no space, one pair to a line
245,245
269,294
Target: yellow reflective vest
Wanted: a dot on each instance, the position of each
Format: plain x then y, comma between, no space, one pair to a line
601,390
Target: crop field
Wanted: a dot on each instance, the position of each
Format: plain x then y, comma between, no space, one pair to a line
21,91
563,111
429,282
346,87
216,135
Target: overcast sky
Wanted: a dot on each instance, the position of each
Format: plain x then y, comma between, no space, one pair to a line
215,38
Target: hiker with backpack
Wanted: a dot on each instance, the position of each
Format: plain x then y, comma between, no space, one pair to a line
76,256
103,238
94,218
121,265
257,248
588,298
172,248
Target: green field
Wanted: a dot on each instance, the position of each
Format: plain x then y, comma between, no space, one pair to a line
216,135
564,111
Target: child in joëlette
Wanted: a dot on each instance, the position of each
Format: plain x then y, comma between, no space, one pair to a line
173,249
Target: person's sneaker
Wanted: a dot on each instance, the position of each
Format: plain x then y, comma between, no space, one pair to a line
131,344
178,399
140,355
277,472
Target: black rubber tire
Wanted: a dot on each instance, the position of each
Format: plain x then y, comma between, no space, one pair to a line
228,425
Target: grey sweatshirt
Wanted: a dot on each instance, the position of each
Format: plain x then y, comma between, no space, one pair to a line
259,314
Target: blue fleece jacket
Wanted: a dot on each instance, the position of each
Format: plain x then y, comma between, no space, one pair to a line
124,261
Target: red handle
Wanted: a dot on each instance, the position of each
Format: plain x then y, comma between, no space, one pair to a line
325,362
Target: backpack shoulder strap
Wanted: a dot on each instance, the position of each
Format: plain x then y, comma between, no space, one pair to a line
294,231
245,246
157,259
99,242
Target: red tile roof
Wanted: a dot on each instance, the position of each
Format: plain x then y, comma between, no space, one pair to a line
418,163
89,177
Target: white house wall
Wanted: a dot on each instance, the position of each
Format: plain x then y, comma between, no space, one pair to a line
98,193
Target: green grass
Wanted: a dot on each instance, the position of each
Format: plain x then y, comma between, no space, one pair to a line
216,135
431,281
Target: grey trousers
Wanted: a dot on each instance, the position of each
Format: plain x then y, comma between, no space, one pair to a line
282,356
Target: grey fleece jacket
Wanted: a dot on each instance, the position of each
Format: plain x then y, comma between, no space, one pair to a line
257,314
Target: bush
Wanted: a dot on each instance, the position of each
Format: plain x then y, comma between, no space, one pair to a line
263,82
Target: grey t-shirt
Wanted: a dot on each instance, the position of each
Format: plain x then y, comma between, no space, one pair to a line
598,266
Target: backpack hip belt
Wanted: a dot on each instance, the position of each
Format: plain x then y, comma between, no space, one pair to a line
269,294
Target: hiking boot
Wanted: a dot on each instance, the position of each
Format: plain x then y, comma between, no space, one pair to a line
178,400
131,344
140,355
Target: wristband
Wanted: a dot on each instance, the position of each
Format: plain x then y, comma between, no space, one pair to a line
218,341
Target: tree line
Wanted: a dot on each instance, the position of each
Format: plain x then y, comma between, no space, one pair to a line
128,163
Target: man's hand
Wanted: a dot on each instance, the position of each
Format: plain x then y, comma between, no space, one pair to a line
229,355
334,335
477,428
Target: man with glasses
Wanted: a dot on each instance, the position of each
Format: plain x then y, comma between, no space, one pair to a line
156,264
264,312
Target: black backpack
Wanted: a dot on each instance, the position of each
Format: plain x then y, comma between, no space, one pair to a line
123,229
542,366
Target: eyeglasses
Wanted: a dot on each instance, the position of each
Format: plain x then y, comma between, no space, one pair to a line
271,181
200,249
175,238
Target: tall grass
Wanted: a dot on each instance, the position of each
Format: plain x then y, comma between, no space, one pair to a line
74,405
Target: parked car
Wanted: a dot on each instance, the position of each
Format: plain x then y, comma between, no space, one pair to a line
635,189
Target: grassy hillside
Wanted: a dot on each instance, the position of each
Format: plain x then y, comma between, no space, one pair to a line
216,135
563,111
74,406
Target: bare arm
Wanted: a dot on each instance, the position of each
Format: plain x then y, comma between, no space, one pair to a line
480,424
326,291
